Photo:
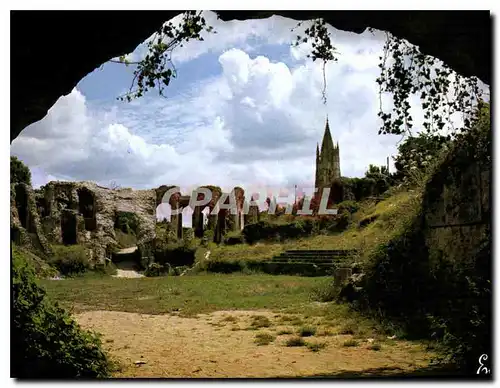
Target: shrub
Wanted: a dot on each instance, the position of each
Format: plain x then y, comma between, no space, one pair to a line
46,341
234,238
307,331
259,321
350,343
264,339
70,259
178,254
285,331
375,346
295,341
155,269
348,206
127,222
316,347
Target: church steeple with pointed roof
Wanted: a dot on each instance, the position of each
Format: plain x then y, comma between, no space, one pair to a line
327,161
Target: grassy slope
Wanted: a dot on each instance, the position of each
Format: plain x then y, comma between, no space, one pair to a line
391,214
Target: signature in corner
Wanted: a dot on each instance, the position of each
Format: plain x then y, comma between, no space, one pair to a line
482,368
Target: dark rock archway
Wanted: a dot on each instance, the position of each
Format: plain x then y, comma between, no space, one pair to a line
69,227
41,73
86,207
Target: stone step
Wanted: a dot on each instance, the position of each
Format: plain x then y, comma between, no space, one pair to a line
301,263
304,259
321,252
300,268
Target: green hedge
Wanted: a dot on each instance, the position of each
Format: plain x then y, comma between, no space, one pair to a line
45,341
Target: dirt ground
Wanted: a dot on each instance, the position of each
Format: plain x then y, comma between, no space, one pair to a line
221,345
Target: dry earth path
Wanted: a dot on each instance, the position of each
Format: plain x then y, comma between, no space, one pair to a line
222,344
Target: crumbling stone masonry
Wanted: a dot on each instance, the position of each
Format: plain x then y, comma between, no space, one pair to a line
84,213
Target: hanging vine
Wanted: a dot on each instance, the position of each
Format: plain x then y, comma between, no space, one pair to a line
157,68
405,72
322,47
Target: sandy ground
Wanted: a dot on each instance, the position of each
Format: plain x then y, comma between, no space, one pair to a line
124,273
126,269
214,345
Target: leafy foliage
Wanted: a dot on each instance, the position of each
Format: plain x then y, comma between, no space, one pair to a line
157,69
19,172
321,44
69,259
405,71
126,222
418,152
46,341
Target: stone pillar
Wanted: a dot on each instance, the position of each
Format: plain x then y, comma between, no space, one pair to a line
212,221
179,226
220,227
198,222
236,221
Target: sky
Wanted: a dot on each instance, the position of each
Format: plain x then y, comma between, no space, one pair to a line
245,110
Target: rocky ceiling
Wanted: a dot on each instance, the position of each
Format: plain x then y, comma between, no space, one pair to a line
51,51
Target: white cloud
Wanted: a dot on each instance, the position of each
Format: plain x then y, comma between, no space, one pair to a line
256,124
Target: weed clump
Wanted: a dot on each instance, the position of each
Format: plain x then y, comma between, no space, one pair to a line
316,347
259,321
307,331
295,341
350,343
264,339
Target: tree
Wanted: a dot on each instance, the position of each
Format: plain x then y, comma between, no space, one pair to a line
418,152
19,172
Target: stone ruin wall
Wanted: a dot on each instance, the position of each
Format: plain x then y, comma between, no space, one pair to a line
79,213
85,213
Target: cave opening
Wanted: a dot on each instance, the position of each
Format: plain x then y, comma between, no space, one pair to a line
68,228
86,207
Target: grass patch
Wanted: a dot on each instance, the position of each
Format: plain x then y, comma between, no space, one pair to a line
229,318
192,295
264,339
285,331
349,328
316,346
324,333
307,331
259,321
295,341
350,343
375,346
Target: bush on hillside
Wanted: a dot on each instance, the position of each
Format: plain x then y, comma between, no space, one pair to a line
46,341
436,291
234,238
69,259
177,254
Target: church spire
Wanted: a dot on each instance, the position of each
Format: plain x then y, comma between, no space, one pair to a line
327,143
